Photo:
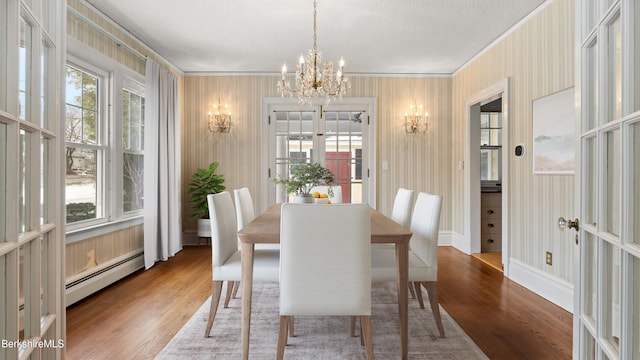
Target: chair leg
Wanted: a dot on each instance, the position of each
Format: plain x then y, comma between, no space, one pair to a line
416,284
282,336
291,322
215,299
413,293
365,325
352,327
236,286
361,333
432,291
230,285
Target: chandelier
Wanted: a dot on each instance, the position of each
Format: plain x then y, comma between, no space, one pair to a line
416,121
313,78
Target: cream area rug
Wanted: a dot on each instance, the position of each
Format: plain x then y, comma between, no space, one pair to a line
320,337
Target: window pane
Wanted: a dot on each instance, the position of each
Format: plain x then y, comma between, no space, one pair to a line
133,187
4,69
490,164
613,176
635,301
613,295
46,264
82,120
24,179
590,97
589,270
44,57
81,184
45,174
634,173
3,185
589,181
24,68
615,70
635,35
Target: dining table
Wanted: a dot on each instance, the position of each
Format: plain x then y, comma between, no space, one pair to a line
265,229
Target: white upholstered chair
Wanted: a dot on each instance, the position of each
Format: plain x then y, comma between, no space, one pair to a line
423,255
325,265
337,192
225,256
402,207
245,213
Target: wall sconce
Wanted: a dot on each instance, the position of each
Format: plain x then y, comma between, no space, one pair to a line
416,121
220,119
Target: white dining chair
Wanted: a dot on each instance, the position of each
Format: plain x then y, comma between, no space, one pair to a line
336,198
423,254
325,265
245,213
225,256
402,206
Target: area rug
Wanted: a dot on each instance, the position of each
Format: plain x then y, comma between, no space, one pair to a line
320,337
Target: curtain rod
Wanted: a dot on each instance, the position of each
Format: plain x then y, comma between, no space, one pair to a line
105,32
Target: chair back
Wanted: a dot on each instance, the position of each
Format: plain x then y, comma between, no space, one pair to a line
245,212
325,259
337,192
224,229
401,212
425,223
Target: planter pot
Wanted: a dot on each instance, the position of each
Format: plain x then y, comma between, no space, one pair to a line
299,199
204,228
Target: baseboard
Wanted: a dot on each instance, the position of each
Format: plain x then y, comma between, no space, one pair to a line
549,287
458,242
80,286
445,238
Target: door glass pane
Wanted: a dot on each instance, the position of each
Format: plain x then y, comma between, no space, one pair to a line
343,151
635,35
4,69
46,279
612,181
589,350
589,180
24,178
589,270
613,295
24,69
590,89
590,9
44,58
614,56
294,144
45,174
635,287
634,173
21,287
3,184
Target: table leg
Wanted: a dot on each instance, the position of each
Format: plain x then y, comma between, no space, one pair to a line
402,263
246,283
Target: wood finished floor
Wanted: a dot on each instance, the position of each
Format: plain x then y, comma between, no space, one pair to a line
136,317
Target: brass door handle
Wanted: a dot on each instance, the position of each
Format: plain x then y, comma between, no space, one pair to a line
563,224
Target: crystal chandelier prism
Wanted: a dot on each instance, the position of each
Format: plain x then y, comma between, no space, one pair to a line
313,77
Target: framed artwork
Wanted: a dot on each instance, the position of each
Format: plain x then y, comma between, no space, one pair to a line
554,133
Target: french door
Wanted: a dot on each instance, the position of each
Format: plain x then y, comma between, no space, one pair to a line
607,280
339,136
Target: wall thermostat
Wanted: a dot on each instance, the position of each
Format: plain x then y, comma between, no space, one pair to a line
519,151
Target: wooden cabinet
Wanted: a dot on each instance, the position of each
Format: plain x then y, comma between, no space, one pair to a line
491,221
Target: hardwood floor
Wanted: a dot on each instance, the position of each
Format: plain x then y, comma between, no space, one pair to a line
136,317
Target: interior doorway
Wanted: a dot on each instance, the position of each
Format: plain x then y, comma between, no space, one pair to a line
486,190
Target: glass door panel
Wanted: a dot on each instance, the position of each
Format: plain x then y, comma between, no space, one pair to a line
614,60
343,152
590,93
634,173
589,270
612,183
613,295
589,180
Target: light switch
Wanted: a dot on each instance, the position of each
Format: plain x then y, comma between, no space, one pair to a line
385,165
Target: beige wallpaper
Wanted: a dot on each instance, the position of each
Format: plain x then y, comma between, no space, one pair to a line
417,162
538,58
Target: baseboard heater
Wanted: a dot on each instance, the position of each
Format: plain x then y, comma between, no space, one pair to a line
82,285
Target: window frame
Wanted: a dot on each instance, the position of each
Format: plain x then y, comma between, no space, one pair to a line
119,77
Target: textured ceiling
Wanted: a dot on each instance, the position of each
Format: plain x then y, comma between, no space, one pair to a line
373,36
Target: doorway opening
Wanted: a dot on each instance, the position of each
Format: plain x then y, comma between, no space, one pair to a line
486,226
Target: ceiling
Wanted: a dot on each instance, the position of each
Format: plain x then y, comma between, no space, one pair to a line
374,36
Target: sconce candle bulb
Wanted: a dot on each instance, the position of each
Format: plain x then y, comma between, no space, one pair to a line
415,121
220,122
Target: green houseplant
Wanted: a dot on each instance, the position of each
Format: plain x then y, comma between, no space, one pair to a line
304,177
203,182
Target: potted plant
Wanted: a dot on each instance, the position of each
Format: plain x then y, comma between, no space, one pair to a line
303,178
203,182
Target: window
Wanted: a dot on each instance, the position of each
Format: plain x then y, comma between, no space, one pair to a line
490,146
104,149
132,150
85,152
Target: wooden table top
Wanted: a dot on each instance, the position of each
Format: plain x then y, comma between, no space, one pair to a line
265,228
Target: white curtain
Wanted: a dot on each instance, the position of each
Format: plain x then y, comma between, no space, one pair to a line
162,219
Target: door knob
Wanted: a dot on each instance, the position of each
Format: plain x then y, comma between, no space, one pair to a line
563,224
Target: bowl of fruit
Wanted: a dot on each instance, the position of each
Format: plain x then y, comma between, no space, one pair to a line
319,198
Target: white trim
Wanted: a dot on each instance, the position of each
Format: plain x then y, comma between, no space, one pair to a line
357,74
549,287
